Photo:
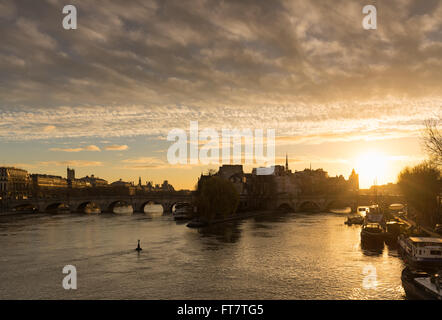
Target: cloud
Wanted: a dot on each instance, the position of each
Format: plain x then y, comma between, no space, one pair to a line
67,149
305,68
144,163
92,148
73,163
301,123
87,148
208,53
116,147
141,163
49,129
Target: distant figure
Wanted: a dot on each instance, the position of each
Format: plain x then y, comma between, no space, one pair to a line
138,247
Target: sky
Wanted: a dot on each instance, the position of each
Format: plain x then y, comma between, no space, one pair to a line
103,98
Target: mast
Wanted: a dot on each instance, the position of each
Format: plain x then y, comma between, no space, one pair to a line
376,190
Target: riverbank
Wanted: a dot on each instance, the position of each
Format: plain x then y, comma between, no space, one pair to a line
412,223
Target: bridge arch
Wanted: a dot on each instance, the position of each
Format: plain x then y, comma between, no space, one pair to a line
56,207
309,206
113,204
88,207
149,202
337,204
174,203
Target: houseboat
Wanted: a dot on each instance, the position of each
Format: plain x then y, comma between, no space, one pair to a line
372,233
423,252
421,285
375,215
358,217
394,229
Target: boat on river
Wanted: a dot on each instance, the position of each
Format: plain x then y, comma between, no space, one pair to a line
372,233
362,210
358,217
375,215
422,252
422,285
394,229
25,209
354,219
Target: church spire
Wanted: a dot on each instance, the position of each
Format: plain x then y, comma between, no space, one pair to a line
286,163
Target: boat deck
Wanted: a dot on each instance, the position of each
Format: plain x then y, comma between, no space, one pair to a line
426,282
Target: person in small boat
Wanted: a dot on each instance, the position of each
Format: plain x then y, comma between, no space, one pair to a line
138,248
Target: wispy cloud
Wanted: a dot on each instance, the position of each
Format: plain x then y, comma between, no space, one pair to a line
300,122
144,163
116,147
73,163
49,128
141,163
87,148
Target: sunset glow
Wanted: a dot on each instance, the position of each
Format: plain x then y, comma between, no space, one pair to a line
372,168
229,150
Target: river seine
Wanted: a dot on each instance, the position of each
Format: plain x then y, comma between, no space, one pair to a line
279,256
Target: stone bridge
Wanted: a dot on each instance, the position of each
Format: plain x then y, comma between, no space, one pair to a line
317,203
105,202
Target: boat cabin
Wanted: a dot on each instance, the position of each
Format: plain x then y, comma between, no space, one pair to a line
373,227
395,227
424,247
362,210
374,215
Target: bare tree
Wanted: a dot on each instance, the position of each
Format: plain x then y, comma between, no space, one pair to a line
432,140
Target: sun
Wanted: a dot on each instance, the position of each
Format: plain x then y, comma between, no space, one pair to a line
372,168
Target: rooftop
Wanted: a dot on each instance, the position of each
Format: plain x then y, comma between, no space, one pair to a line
426,239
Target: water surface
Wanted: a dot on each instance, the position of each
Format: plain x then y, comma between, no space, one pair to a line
289,256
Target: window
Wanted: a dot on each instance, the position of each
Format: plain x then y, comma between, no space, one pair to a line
436,252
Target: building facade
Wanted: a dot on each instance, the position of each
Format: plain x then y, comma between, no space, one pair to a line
85,182
14,183
48,181
93,181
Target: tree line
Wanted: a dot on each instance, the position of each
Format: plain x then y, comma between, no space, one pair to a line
421,184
